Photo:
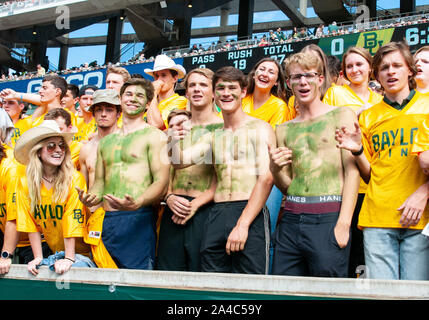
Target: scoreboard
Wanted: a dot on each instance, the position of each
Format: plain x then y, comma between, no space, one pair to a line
415,35
244,58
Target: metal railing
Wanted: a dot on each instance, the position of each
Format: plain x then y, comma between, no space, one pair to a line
343,28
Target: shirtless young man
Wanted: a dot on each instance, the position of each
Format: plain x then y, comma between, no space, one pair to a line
236,237
106,109
321,182
53,89
192,189
128,226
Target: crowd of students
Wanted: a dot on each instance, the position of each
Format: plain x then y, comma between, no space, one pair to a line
304,171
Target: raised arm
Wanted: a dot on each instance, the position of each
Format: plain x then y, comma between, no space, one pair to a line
10,94
154,117
351,140
183,153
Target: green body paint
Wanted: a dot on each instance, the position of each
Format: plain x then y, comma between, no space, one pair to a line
127,163
140,100
236,158
316,161
198,177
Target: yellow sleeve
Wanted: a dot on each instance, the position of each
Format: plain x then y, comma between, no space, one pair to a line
291,107
179,103
10,192
75,147
329,97
366,143
74,212
421,140
24,219
281,114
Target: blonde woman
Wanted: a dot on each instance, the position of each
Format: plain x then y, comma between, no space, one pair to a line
47,201
356,67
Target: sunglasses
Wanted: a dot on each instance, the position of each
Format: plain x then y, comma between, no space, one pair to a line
52,146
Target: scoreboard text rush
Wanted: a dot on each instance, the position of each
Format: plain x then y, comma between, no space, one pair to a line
416,35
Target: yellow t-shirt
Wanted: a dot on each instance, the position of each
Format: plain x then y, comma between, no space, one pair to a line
9,170
84,130
274,110
21,126
37,121
167,105
75,152
387,136
6,192
421,141
55,220
291,107
344,96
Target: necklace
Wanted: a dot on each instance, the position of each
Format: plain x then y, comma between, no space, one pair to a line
46,179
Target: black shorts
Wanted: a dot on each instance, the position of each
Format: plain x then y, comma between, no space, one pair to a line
222,219
25,254
305,245
179,245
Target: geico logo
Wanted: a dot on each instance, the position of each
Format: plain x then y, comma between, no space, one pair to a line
80,79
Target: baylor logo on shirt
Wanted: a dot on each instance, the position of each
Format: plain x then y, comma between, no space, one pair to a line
400,137
77,215
46,211
2,210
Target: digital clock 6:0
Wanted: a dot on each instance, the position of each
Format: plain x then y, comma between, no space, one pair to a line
414,36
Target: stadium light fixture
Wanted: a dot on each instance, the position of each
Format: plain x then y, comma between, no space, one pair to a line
190,4
163,4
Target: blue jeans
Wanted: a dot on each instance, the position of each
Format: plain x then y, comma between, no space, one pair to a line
80,261
274,202
392,253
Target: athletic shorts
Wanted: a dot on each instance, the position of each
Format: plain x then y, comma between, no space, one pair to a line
130,238
179,245
222,219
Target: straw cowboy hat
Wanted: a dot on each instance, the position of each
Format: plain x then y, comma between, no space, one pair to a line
31,137
163,62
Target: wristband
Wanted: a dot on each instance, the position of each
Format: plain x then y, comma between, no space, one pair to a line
70,259
358,153
166,198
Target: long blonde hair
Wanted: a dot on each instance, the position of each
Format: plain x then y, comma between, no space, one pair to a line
61,183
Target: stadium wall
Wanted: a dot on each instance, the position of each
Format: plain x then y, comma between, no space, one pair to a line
416,35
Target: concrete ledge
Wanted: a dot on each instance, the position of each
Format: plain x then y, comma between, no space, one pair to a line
235,283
